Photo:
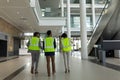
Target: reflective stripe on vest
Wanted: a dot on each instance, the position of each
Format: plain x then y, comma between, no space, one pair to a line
34,43
66,46
49,44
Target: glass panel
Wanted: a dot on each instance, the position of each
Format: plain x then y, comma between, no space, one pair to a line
75,22
51,12
100,1
77,1
89,23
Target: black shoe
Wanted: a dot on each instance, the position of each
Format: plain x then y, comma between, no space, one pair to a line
68,70
48,75
36,72
32,70
53,72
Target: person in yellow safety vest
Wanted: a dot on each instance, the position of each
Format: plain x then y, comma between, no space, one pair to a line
34,48
49,45
66,49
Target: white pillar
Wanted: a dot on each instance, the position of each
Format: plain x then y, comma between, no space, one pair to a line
68,19
63,29
93,13
62,13
84,51
22,44
62,8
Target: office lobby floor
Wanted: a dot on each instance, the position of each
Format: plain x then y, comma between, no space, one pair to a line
19,69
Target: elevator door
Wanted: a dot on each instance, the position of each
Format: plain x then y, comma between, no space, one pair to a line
3,48
16,45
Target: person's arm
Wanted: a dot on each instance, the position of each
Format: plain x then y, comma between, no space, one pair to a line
54,43
61,43
43,45
40,44
28,43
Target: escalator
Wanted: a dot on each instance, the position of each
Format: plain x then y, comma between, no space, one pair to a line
108,27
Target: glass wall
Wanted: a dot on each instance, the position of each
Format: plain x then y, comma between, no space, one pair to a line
75,21
51,12
89,1
77,1
56,12
100,1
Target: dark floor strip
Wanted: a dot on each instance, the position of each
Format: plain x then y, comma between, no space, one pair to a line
7,59
108,65
11,76
3,60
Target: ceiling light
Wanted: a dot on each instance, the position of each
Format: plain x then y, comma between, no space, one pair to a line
32,3
18,12
23,18
8,1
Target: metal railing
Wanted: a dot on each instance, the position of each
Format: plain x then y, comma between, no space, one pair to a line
101,14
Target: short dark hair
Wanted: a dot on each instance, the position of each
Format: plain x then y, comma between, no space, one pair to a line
64,35
36,33
49,32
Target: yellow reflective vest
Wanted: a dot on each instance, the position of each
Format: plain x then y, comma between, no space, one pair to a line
34,44
66,45
49,44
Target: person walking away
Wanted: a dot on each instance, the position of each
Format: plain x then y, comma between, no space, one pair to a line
34,48
49,45
66,49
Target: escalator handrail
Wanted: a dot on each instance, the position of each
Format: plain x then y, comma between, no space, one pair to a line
107,1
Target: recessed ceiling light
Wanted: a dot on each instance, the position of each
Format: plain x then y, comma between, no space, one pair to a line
18,12
8,1
23,18
24,21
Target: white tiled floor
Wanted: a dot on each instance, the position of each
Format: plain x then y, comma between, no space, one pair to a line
8,67
80,70
115,61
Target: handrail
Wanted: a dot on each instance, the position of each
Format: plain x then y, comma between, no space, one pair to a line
107,1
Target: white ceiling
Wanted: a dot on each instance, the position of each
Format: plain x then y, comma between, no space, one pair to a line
20,14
